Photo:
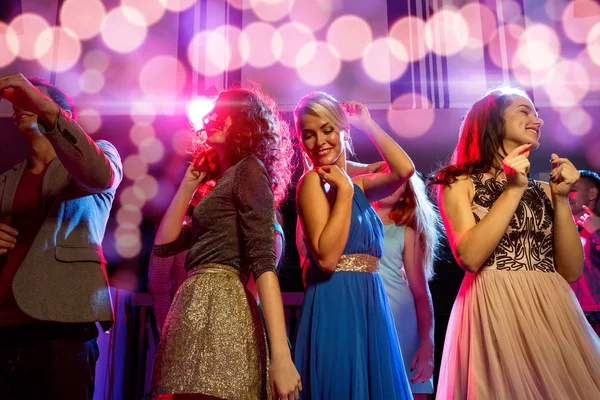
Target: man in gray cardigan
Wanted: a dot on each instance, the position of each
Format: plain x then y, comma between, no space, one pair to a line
53,212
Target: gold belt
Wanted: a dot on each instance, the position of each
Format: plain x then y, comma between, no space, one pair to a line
214,268
358,263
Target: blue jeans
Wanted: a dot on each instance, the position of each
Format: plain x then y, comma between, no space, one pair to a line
48,361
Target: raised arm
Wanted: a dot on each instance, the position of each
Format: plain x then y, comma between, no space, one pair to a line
412,255
94,168
326,227
400,167
472,243
568,251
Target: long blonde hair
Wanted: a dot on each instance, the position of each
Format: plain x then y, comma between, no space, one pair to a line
415,209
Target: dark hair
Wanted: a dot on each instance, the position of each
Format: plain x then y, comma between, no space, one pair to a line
481,136
63,100
258,130
592,178
415,209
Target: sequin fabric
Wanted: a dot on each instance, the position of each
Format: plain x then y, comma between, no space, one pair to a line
358,263
213,342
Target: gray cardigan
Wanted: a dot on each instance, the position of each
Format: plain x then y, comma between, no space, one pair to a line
62,277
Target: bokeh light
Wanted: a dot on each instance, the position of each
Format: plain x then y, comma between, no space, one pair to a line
197,109
577,120
384,60
410,115
138,133
349,36
209,53
91,81
446,32
28,27
143,113
134,166
271,10
314,14
410,32
511,10
129,217
177,5
255,46
83,17
318,65
90,120
57,49
503,45
129,196
538,48
9,44
96,59
293,37
481,22
146,187
593,43
151,10
181,142
151,150
162,76
578,18
566,83
124,29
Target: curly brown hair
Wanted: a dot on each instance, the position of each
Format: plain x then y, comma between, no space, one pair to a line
480,144
257,129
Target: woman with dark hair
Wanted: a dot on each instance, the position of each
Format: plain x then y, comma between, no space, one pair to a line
411,226
213,342
346,345
516,330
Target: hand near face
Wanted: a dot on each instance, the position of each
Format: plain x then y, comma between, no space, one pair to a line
516,167
589,221
336,177
563,176
23,95
357,113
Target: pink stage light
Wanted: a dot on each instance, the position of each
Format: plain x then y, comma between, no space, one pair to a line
271,10
208,53
57,49
405,117
28,27
240,4
129,196
120,33
177,5
384,60
143,113
151,150
349,36
181,142
317,66
511,11
592,69
162,76
481,22
151,10
446,33
410,32
593,43
314,14
129,218
255,46
578,18
538,47
509,35
566,84
96,59
90,120
146,186
198,109
91,81
293,37
577,120
134,166
9,45
83,17
139,133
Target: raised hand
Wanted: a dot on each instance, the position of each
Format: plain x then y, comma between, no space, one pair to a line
7,236
193,176
19,91
358,114
563,176
516,167
336,177
589,221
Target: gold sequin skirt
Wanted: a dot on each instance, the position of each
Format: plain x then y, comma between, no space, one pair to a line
213,341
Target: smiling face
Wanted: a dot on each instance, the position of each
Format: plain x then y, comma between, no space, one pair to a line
522,124
217,128
322,141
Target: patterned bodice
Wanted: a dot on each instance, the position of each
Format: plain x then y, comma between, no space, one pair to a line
527,243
